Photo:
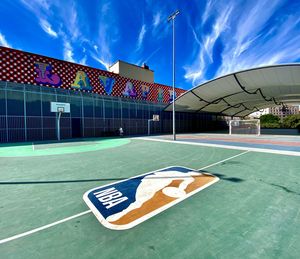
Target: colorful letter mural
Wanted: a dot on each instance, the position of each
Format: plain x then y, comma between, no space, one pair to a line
160,97
129,90
27,68
82,81
145,91
108,83
171,96
45,75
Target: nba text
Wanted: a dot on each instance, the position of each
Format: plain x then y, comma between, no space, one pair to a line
110,197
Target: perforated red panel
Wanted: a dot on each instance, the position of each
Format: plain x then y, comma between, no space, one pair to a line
17,66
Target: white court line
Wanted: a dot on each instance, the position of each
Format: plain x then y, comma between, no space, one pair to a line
32,146
262,150
88,211
2,241
224,160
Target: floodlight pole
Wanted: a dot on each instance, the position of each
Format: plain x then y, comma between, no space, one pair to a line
172,18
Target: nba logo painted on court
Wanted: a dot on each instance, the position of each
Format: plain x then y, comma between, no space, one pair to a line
127,203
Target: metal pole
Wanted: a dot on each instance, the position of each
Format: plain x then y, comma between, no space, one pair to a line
25,113
42,115
172,17
82,115
6,113
174,133
58,126
149,121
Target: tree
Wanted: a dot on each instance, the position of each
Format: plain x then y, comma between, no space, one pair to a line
269,121
292,121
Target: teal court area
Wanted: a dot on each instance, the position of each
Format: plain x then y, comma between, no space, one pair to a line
57,148
251,212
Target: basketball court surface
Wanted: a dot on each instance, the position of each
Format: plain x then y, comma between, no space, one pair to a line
252,211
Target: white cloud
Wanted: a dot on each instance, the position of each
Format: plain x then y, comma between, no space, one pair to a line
47,28
41,9
36,5
251,38
156,19
196,38
72,22
250,48
108,35
207,10
195,72
141,61
64,14
193,76
101,61
104,43
141,36
83,61
159,27
68,52
218,28
3,41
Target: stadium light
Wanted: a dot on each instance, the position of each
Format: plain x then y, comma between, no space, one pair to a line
172,18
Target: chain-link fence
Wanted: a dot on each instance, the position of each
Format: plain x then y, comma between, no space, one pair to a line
25,115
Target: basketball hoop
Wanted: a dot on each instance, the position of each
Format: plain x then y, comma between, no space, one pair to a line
155,117
60,109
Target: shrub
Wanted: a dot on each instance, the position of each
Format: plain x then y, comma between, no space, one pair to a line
270,125
292,121
269,121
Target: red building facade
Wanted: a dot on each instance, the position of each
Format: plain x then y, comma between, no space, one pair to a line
26,68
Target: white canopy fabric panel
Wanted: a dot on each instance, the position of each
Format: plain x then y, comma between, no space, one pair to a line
244,92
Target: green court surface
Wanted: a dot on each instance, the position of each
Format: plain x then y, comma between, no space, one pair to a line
252,212
70,147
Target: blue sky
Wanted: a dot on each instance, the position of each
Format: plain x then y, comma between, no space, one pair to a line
213,37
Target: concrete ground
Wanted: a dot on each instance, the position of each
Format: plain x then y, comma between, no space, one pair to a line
252,212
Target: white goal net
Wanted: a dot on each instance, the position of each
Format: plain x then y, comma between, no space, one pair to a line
244,127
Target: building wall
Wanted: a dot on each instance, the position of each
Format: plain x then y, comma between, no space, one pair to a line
282,113
258,114
132,71
25,115
100,101
22,67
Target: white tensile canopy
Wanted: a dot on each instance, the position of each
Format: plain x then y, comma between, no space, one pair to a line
244,92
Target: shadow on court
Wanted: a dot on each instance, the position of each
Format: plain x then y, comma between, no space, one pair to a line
221,176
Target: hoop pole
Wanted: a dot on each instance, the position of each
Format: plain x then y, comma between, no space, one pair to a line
58,126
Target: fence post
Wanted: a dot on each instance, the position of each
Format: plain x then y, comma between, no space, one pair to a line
149,127
25,113
82,114
6,119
